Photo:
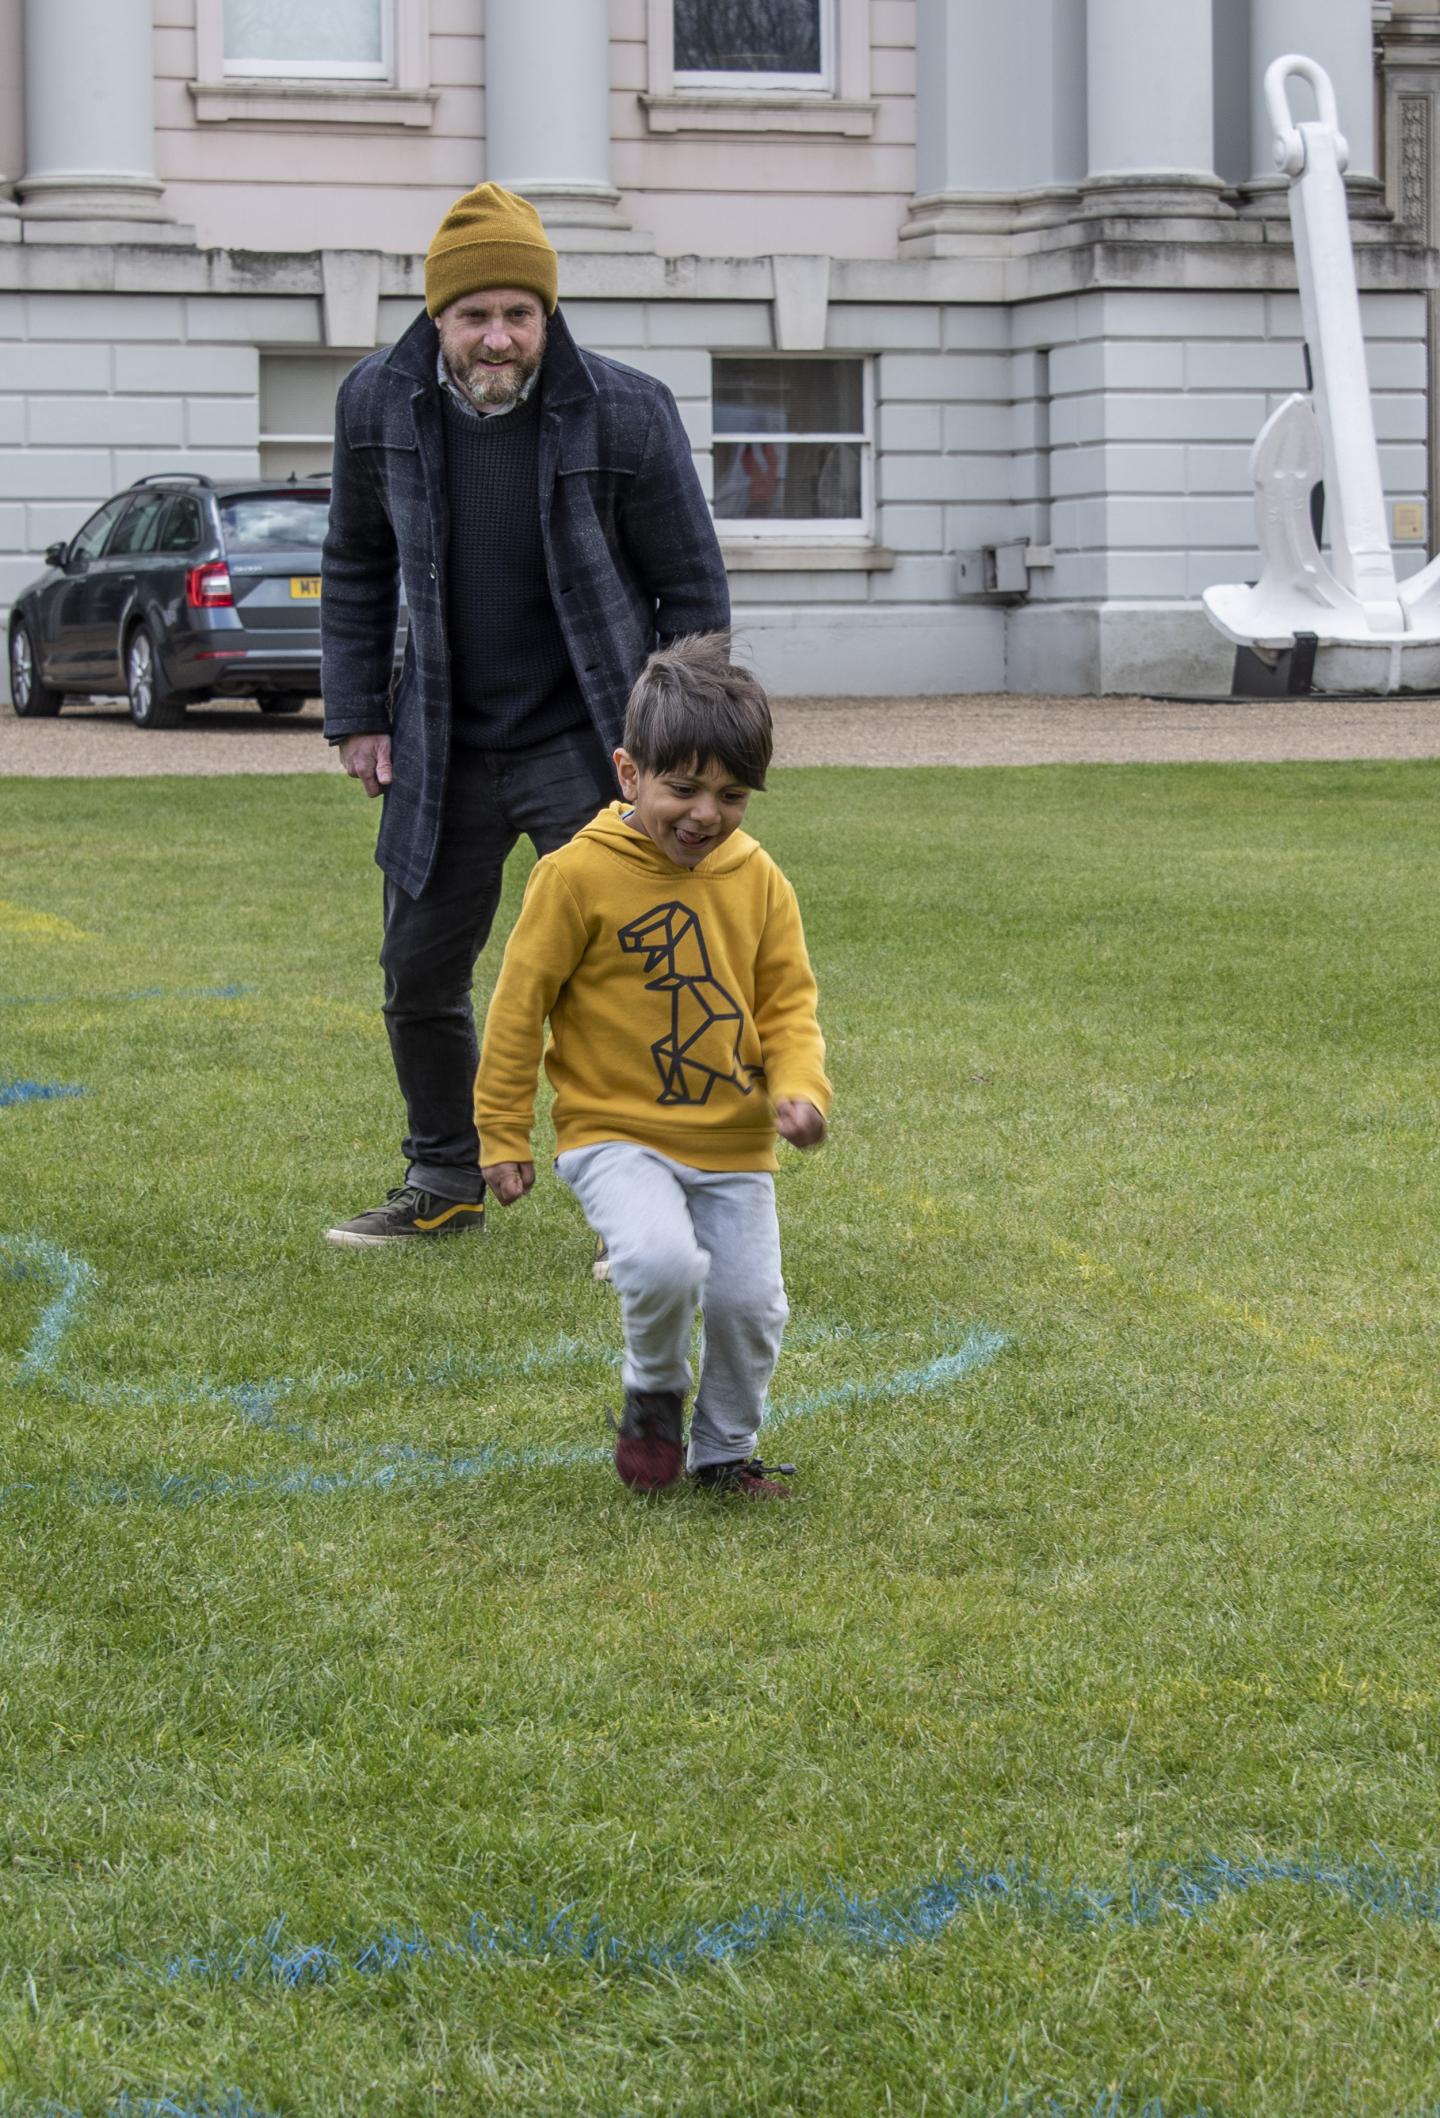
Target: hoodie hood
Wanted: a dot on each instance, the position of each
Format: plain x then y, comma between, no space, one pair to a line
639,851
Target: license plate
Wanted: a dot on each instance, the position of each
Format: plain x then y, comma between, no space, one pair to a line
305,588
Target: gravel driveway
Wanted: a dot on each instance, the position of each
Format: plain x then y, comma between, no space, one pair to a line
99,742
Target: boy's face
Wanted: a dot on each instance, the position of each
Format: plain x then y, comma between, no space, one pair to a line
689,813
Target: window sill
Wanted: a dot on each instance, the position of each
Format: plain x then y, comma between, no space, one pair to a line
749,111
310,103
759,556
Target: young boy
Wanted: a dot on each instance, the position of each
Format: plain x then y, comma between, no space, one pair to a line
666,949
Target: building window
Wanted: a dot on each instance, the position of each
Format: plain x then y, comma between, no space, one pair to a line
792,445
331,40
297,411
753,43
796,67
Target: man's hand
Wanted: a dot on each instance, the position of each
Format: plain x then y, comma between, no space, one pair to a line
799,1122
367,758
511,1180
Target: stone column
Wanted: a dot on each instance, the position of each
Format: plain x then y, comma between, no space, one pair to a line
547,116
1340,35
90,118
12,119
1000,119
1150,92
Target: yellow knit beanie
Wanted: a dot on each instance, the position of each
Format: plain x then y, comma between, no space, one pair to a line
490,238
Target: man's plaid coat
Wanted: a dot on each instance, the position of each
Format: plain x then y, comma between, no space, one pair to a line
630,553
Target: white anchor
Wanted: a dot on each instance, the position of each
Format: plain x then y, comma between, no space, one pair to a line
1373,633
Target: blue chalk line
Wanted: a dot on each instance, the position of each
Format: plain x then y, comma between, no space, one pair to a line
32,1256
148,992
836,1916
15,1091
230,2103
384,1468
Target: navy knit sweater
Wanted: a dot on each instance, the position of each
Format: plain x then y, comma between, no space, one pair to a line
511,683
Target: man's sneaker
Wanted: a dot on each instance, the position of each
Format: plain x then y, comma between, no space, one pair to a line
747,1476
648,1446
409,1215
600,1263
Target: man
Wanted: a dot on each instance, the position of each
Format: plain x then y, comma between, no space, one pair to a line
540,506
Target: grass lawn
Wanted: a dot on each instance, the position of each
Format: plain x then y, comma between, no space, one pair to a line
1067,1745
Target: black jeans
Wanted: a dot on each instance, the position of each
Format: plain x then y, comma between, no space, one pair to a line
432,941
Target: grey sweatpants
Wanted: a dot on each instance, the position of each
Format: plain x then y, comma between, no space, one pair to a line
681,1239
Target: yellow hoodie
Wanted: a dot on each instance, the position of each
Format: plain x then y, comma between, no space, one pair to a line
681,1003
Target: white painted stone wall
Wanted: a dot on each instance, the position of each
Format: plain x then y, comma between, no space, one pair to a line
98,389
1155,399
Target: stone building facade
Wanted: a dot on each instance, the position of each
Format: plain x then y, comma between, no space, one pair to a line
973,308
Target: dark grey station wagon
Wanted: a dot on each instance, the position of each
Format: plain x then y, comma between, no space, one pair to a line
177,590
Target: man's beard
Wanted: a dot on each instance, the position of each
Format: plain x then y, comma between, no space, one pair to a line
489,388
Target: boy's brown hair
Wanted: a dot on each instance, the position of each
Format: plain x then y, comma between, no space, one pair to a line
691,703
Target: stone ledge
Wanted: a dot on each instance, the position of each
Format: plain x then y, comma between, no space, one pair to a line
762,556
744,111
310,103
1164,258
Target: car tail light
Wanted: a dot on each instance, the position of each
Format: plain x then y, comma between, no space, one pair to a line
208,587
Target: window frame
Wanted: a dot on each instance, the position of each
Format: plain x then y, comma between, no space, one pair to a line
297,437
699,103
402,96
316,69
804,530
689,80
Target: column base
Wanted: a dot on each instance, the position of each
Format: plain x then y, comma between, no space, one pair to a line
583,216
1162,194
9,219
979,223
1267,198
98,207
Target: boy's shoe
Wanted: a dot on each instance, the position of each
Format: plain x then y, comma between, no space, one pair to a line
409,1215
648,1448
747,1476
600,1264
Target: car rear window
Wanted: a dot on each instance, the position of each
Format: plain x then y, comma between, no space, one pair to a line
275,522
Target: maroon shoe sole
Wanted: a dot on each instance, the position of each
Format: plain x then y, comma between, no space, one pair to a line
647,1463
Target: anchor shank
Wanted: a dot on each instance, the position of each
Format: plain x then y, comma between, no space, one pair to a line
1330,305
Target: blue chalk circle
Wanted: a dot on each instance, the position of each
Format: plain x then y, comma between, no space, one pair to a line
13,1091
355,1467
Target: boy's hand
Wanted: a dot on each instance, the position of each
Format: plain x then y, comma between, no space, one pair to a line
799,1122
509,1180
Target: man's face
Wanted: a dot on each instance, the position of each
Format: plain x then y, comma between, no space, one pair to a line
688,814
493,342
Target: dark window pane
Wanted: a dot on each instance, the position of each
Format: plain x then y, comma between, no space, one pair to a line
181,531
747,36
275,522
137,532
789,396
89,540
787,481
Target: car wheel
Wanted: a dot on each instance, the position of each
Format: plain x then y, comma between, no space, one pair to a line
152,703
32,696
284,702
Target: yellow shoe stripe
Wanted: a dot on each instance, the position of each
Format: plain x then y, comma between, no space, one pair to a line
449,1215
